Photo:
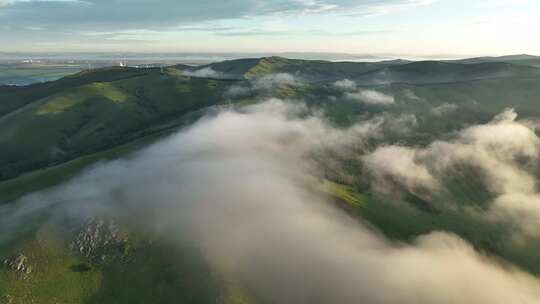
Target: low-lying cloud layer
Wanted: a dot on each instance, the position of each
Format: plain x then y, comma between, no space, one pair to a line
371,97
444,109
505,152
207,72
242,186
269,81
352,92
345,85
265,84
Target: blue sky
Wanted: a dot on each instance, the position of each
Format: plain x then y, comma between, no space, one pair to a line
407,27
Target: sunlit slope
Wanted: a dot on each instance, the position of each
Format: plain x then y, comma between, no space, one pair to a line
81,115
13,97
140,271
63,127
443,72
46,124
522,59
311,70
402,222
379,72
24,74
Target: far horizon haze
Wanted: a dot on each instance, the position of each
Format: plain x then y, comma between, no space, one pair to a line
402,28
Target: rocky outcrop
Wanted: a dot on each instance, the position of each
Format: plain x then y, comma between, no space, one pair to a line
99,239
6,299
18,263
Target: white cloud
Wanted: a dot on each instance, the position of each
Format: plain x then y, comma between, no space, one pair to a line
207,72
398,164
409,94
444,109
269,81
400,124
263,84
506,152
241,187
345,85
389,7
237,91
371,97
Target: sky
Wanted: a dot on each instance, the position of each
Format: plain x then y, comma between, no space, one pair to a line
405,27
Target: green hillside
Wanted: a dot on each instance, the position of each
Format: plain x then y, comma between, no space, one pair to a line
92,111
370,73
443,72
522,59
50,132
28,73
310,70
78,115
13,97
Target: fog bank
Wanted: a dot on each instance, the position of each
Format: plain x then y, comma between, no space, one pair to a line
243,186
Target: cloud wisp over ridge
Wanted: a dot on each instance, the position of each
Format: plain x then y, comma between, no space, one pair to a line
503,151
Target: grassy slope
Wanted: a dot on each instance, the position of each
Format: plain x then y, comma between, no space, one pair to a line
475,102
523,59
144,273
312,70
377,72
24,74
84,119
12,98
402,222
51,280
47,177
13,189
153,276
425,72
147,274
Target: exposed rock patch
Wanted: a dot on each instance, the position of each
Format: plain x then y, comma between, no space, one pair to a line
7,299
99,239
18,264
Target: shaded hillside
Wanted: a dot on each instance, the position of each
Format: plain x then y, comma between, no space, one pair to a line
51,132
423,72
522,59
50,123
311,70
28,73
13,97
113,114
88,112
370,73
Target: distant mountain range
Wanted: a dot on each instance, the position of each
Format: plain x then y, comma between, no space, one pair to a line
369,73
24,69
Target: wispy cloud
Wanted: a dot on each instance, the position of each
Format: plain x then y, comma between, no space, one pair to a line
240,186
371,97
377,8
504,152
141,15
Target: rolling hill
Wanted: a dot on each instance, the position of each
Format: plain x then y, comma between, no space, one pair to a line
310,70
522,59
51,123
50,132
369,73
